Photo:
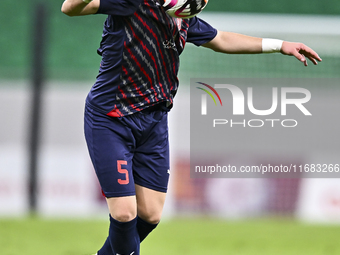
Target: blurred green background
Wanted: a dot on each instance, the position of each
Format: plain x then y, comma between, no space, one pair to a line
71,53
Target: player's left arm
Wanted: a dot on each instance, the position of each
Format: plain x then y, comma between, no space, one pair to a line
233,43
80,7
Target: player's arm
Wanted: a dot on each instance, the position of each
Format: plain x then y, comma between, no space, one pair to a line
233,43
80,7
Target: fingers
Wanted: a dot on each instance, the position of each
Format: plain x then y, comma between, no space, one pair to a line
313,54
310,54
313,60
299,56
301,52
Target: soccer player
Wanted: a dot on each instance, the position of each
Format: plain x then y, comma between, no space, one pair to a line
126,110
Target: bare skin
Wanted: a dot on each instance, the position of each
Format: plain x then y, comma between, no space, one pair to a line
233,43
147,203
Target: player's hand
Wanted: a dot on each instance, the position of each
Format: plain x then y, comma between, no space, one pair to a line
301,52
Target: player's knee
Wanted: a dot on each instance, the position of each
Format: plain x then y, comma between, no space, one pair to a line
122,209
154,220
123,216
152,217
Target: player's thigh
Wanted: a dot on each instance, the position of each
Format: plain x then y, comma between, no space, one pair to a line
150,204
110,144
151,163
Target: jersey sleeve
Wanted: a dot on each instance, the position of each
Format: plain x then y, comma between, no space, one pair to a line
200,32
118,7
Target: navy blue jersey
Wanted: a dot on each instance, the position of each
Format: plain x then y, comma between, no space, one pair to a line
140,51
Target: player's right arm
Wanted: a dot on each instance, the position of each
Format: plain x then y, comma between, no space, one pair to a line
109,7
233,43
79,7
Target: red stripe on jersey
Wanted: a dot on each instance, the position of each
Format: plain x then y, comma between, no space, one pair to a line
152,57
173,59
124,95
122,92
136,87
133,57
158,44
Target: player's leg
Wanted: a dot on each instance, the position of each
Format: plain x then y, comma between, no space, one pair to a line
110,143
123,234
151,170
149,209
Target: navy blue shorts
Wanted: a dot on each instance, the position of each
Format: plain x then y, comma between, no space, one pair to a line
128,150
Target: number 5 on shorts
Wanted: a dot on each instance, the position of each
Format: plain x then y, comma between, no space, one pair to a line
123,171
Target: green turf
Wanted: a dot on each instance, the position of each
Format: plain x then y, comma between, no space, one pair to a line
35,236
50,237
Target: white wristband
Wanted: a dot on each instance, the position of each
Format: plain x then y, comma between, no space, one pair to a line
87,1
271,45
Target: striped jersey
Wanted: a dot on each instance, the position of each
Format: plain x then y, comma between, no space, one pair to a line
140,51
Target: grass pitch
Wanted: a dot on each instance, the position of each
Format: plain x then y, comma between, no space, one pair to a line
34,236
